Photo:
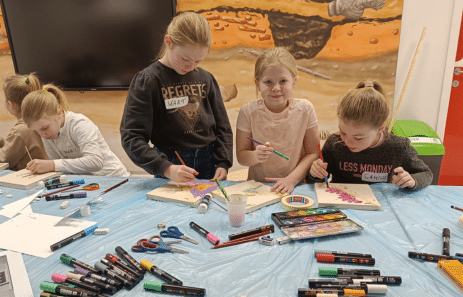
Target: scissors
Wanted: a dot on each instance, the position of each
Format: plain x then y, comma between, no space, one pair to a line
156,245
173,232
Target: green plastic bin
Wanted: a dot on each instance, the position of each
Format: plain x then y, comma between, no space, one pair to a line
426,142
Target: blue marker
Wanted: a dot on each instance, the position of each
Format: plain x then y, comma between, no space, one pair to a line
71,183
70,239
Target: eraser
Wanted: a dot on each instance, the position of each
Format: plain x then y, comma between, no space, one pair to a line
101,231
212,238
266,240
64,204
41,184
283,240
85,210
161,225
9,196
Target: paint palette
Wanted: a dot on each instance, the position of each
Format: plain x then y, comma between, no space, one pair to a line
298,217
323,228
314,222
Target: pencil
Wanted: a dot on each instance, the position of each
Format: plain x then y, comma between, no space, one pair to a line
249,238
275,151
321,158
178,156
28,153
222,189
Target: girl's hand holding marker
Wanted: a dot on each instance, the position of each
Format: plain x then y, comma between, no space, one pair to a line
263,152
402,178
318,169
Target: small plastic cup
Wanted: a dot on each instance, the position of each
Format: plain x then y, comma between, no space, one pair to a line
237,209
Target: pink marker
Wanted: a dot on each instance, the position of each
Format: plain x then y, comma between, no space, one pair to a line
211,237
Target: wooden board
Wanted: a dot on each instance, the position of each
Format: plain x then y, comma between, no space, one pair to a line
24,179
259,194
4,166
346,196
180,193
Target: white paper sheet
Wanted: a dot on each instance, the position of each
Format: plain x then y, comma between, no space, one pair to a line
10,210
16,281
33,234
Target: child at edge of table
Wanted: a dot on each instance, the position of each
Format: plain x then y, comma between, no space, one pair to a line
363,151
20,141
72,141
178,107
286,125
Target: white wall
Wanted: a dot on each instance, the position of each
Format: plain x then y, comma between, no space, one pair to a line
422,98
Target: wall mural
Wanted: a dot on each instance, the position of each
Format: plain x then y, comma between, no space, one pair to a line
336,45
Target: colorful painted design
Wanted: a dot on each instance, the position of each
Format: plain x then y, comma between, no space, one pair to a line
199,188
344,196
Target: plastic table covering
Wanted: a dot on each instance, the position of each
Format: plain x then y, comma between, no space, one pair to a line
408,221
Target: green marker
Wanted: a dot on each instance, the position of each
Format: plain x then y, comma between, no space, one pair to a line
222,189
275,151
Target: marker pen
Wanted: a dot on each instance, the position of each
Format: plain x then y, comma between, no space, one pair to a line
369,289
118,262
428,257
66,184
52,181
344,254
66,241
160,273
122,273
153,286
211,237
330,258
109,272
328,271
70,261
234,236
372,279
44,294
64,291
96,276
321,293
320,283
66,196
105,288
121,252
446,239
59,278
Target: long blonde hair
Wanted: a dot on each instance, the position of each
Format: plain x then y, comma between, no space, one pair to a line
45,103
16,87
188,28
271,57
366,105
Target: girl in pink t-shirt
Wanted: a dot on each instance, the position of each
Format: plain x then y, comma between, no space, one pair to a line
286,125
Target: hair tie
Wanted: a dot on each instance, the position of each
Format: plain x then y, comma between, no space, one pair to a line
43,90
26,80
369,84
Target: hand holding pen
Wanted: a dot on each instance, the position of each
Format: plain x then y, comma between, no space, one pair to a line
180,173
265,151
318,168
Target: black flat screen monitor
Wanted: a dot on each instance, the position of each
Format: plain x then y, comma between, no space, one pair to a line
86,44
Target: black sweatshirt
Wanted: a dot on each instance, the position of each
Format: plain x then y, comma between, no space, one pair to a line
174,112
375,164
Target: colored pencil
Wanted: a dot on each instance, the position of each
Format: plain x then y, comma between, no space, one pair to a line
275,151
249,238
321,158
222,189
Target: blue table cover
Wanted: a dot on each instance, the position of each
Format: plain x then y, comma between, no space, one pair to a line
408,221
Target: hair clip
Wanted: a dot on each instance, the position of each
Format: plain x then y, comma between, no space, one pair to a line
43,90
26,80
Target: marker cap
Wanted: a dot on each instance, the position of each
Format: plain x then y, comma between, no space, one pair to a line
146,264
212,238
350,292
377,289
73,275
153,286
66,259
90,230
48,287
78,182
202,208
327,271
59,278
100,266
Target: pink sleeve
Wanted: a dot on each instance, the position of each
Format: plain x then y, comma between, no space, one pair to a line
312,119
243,122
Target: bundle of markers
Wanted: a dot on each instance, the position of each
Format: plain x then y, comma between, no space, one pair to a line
109,276
348,282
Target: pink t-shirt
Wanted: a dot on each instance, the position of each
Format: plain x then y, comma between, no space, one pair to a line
285,131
